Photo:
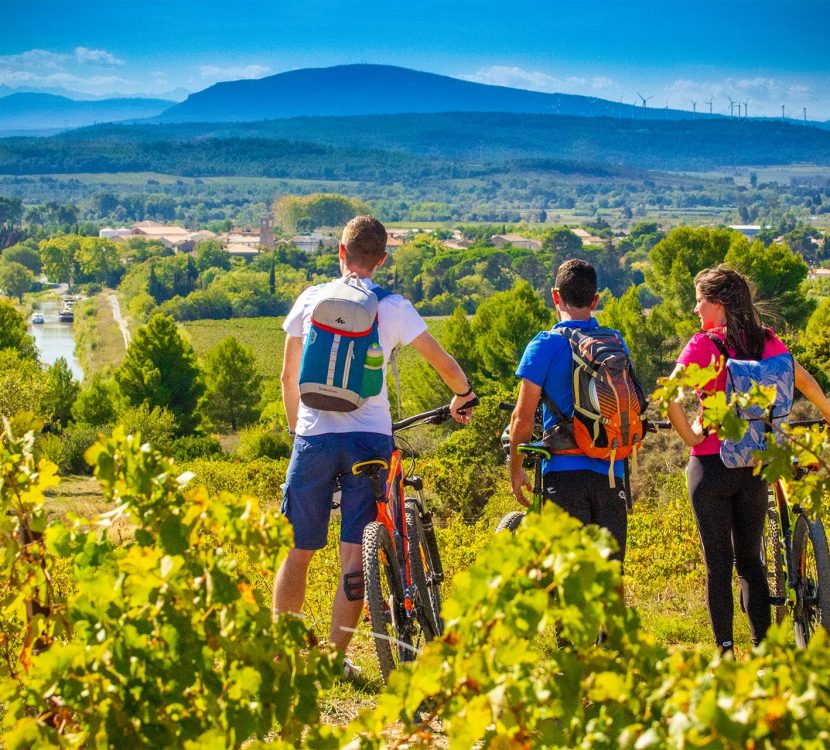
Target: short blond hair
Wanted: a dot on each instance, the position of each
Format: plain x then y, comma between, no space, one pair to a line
364,238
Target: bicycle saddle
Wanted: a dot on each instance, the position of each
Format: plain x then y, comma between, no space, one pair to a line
370,468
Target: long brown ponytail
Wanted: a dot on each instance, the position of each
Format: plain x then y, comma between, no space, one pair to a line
744,331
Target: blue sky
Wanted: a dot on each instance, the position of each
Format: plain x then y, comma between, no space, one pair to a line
764,52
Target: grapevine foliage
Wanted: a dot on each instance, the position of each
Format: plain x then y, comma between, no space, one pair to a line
163,641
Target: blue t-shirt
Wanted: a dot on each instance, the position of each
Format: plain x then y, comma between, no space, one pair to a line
547,363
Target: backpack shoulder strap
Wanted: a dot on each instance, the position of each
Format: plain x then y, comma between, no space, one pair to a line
719,345
381,293
547,400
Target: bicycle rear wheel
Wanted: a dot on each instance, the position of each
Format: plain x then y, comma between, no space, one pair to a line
385,599
811,559
511,521
772,555
428,589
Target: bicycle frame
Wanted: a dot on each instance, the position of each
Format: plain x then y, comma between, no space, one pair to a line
787,515
535,452
392,515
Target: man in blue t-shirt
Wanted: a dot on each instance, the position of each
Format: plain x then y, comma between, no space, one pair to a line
576,483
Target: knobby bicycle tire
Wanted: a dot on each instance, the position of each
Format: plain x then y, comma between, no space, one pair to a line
811,559
384,597
773,556
511,521
428,590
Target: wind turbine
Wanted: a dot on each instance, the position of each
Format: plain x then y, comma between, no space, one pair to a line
782,111
732,106
710,106
694,107
745,108
805,114
644,99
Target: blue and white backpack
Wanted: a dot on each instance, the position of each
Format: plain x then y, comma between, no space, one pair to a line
342,361
741,375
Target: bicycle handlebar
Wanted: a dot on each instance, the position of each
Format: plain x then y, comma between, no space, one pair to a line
806,422
434,416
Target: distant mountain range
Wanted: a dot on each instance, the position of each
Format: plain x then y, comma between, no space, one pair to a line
339,91
47,113
346,90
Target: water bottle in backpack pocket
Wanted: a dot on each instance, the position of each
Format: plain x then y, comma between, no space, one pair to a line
342,363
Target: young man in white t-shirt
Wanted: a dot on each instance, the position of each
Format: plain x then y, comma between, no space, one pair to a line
327,444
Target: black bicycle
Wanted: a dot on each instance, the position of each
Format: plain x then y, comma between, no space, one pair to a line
402,567
797,557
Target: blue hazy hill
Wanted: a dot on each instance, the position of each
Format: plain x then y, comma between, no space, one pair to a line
346,90
26,112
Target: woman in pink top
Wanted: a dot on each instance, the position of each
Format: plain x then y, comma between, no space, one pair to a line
730,504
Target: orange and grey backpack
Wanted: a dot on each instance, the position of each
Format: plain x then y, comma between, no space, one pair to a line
609,405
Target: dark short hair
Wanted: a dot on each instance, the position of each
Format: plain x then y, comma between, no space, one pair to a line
364,238
576,282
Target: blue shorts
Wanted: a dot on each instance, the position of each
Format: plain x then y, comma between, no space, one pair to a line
316,462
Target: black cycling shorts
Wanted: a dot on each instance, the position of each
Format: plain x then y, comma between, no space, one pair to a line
587,496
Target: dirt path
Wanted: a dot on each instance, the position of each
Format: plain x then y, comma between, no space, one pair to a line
122,324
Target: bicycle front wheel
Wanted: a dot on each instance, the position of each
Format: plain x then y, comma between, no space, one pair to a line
511,521
385,599
427,587
811,559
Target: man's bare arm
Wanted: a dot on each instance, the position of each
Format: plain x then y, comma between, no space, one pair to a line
521,430
290,378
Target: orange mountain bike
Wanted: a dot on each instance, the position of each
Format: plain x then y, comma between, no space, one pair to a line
402,568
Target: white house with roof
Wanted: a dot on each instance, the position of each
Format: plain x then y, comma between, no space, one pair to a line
586,237
312,241
516,240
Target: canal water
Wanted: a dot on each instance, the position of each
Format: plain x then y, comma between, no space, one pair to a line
53,338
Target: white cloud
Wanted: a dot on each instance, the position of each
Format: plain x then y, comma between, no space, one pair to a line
758,95
233,72
42,69
85,55
535,80
31,60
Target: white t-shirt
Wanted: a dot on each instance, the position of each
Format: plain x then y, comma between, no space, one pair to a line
398,324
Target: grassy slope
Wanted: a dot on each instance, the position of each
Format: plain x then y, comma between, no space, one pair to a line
99,344
264,335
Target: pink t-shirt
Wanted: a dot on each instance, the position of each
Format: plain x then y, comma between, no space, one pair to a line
700,351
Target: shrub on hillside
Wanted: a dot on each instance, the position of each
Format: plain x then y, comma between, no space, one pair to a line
256,442
75,441
95,403
196,446
200,305
465,470
261,478
156,425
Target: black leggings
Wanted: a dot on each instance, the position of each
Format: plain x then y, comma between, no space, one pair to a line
730,506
